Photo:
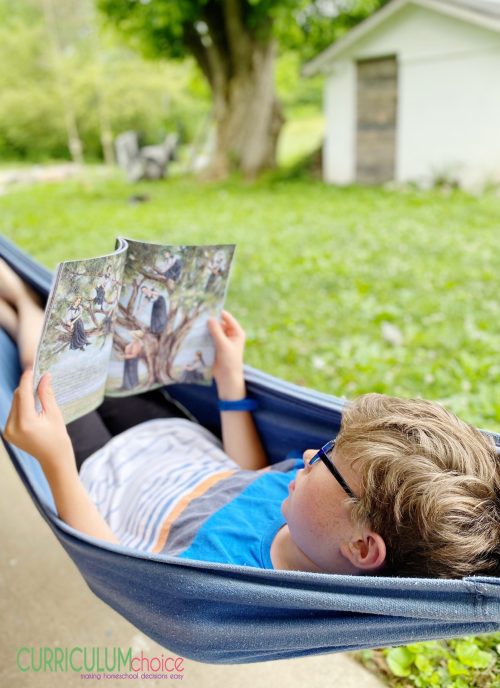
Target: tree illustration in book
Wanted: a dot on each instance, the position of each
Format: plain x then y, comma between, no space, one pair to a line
167,296
130,321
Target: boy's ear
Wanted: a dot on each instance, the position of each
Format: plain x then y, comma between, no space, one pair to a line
366,552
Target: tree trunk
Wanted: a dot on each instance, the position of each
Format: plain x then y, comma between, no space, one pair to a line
248,117
75,145
238,64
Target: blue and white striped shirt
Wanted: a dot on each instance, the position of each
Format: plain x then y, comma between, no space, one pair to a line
166,486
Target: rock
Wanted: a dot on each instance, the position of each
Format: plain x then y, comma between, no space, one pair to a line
149,162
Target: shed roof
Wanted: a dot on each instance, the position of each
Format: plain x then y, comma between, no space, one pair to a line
484,13
486,7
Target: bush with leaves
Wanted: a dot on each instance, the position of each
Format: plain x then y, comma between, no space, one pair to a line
100,79
472,662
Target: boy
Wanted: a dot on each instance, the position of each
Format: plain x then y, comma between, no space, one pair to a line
406,489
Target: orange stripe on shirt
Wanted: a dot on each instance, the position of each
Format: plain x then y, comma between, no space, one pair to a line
184,502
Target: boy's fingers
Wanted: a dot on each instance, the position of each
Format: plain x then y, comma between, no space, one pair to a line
12,420
25,403
227,316
228,330
215,329
232,322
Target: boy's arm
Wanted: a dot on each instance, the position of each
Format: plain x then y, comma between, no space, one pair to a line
73,503
44,436
239,434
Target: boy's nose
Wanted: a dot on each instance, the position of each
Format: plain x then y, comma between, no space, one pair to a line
308,454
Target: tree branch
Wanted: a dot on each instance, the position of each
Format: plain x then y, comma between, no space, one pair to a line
237,35
119,342
193,42
218,53
128,322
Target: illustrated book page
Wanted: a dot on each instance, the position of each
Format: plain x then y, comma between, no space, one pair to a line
160,332
77,334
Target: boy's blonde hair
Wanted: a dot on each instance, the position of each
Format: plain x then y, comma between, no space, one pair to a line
430,485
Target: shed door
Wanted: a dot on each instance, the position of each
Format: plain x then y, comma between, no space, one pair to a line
377,94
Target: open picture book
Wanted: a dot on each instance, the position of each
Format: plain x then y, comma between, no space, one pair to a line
131,321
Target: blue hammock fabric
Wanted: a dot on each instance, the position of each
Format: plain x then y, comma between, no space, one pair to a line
229,614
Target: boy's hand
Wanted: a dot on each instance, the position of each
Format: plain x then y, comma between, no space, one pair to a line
229,339
43,435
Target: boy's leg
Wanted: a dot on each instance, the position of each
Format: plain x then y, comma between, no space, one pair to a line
26,304
121,413
88,434
8,319
92,431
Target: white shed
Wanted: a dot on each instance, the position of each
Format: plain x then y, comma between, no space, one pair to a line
413,94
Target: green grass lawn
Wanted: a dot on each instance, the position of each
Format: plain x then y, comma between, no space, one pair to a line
301,136
318,272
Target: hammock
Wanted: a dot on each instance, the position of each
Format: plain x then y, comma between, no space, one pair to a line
230,614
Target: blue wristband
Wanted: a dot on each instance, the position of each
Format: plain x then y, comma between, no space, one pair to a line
239,405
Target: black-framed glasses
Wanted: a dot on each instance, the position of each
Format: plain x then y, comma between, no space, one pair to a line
325,455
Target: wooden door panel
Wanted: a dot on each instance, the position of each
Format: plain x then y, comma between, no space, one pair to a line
377,97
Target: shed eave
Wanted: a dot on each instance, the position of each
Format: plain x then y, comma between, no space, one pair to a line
322,62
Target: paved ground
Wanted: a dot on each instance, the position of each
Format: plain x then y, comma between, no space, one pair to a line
14,177
44,602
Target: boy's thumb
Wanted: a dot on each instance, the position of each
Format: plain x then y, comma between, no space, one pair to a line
46,393
214,328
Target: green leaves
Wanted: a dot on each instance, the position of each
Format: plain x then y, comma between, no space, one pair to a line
105,84
400,661
470,655
307,26
471,662
456,669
